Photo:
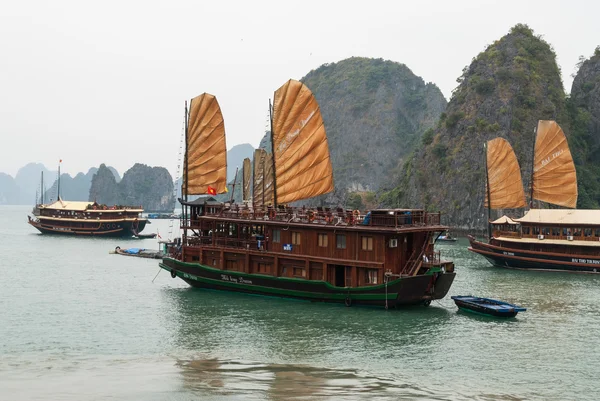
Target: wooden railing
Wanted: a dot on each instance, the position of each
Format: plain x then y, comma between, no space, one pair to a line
328,216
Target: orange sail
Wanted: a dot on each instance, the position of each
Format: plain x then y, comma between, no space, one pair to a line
302,164
246,174
206,153
554,176
262,188
503,176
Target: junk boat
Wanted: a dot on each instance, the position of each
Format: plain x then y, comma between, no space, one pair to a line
487,306
384,257
542,239
88,219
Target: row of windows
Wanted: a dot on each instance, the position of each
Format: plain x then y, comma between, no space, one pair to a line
555,231
323,240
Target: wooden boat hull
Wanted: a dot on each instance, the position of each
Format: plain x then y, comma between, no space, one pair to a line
413,290
121,228
493,308
533,260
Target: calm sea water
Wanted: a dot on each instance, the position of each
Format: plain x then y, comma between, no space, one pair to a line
78,323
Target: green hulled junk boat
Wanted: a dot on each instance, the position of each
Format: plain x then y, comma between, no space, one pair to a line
384,257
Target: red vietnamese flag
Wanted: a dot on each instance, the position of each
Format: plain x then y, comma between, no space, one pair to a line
211,190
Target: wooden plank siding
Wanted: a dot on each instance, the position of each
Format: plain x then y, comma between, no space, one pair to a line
311,252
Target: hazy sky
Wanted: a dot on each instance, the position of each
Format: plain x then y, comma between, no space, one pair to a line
105,81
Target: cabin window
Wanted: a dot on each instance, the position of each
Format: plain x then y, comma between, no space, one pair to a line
526,230
577,232
371,276
597,232
299,272
564,231
322,240
263,268
277,236
587,232
546,231
296,238
536,230
340,241
367,243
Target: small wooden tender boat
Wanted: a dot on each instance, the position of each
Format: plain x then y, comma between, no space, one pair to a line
487,306
139,252
446,238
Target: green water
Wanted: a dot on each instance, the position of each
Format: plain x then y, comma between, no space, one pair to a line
77,323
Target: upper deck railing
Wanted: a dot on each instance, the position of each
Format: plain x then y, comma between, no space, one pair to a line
393,218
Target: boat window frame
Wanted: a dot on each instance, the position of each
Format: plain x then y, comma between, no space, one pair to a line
366,243
276,236
340,241
322,240
296,238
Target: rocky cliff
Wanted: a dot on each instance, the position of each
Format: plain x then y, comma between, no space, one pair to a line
104,188
584,112
375,112
503,93
150,187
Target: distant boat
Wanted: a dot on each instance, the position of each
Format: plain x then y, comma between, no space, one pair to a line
543,239
447,237
487,306
85,218
88,219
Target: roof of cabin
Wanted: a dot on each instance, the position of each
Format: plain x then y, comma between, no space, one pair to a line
504,220
562,216
68,205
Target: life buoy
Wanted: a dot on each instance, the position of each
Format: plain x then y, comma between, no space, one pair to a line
102,225
427,302
348,301
114,225
173,273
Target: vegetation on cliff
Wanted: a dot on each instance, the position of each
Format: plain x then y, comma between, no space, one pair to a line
584,112
375,112
503,93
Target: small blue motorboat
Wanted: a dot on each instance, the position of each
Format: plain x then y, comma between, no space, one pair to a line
487,306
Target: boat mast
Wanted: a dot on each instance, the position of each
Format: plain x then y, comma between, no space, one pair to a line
185,169
58,185
487,185
273,154
532,167
42,189
233,186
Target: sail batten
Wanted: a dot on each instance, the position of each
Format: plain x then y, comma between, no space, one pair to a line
302,162
206,152
503,176
554,175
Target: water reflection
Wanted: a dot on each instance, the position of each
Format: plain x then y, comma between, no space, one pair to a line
213,377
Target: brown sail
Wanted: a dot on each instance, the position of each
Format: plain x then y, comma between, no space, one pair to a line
503,176
206,153
302,165
554,176
247,173
262,187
